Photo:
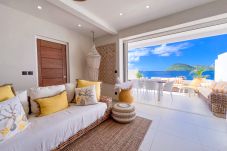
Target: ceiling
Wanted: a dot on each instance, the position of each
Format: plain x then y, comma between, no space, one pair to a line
53,14
135,11
102,16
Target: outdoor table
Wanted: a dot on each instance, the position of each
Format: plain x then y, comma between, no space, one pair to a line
160,85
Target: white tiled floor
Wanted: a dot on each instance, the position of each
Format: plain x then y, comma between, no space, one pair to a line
180,102
173,130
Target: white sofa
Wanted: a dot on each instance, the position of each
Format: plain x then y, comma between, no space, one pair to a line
205,92
54,131
46,133
216,97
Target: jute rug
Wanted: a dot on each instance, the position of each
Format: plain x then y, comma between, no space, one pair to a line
112,136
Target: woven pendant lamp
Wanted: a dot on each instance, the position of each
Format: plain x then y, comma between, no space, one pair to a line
93,62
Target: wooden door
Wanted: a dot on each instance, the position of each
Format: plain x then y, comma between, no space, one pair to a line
52,64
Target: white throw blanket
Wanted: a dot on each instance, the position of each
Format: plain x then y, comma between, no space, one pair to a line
46,133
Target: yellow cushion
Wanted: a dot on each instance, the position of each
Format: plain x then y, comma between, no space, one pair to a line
85,83
6,92
52,104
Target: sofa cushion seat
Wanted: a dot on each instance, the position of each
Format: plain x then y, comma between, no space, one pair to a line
205,91
47,132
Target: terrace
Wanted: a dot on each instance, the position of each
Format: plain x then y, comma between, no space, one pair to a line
184,86
174,98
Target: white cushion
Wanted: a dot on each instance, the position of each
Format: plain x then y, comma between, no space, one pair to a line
47,132
23,96
12,118
70,89
205,91
85,96
41,92
218,87
224,89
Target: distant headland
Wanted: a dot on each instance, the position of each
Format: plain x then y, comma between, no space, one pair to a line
186,67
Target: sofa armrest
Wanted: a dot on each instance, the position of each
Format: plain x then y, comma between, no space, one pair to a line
107,100
218,98
219,104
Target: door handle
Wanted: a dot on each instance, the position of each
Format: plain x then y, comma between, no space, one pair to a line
64,76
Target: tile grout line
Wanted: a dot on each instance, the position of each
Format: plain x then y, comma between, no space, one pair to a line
193,123
155,132
172,109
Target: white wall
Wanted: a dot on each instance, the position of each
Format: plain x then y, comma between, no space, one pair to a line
220,68
183,19
18,50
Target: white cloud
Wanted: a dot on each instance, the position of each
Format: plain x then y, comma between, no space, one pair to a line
165,50
135,54
131,66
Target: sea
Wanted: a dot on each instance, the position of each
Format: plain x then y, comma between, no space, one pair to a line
171,74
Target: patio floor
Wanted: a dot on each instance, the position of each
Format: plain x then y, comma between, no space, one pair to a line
181,102
173,130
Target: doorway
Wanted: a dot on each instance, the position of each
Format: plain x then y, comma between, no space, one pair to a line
178,61
52,63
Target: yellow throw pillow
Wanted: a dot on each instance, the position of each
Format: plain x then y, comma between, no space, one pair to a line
6,92
52,104
85,83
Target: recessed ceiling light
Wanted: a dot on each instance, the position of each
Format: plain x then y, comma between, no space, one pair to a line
39,7
79,25
121,14
148,6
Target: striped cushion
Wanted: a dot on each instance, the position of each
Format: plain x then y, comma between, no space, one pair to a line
123,112
127,109
124,120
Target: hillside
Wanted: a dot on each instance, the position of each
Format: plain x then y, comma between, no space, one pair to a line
180,67
208,68
186,67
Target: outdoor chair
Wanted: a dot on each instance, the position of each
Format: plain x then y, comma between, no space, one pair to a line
138,85
193,86
168,88
151,86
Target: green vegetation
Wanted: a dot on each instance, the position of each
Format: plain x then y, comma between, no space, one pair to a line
198,72
139,75
180,67
207,68
186,67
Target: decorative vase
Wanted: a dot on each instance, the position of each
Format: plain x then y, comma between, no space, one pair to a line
197,81
125,96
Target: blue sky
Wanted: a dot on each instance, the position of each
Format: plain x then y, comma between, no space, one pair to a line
201,51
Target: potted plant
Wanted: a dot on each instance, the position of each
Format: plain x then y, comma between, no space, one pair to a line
139,75
198,75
